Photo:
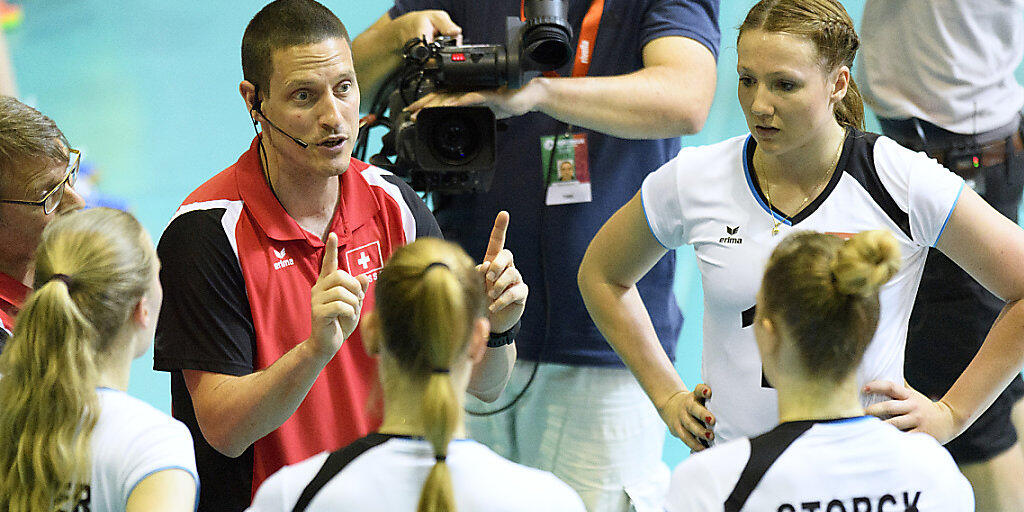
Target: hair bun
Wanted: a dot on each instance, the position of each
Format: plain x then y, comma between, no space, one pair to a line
866,262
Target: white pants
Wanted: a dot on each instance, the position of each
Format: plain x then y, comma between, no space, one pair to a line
592,427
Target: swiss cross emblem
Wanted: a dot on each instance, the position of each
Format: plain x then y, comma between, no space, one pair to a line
365,259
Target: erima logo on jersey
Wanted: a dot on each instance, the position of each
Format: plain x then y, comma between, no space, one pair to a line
886,503
281,261
730,239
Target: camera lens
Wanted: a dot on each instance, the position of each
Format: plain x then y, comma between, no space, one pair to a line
548,46
455,141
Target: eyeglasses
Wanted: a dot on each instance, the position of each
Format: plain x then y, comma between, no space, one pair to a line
51,200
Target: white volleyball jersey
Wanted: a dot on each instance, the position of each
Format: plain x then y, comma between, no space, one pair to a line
850,465
132,440
385,473
709,197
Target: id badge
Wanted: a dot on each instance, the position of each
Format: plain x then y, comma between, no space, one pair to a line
566,168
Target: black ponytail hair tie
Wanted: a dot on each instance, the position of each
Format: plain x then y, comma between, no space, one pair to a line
440,458
441,370
61,277
435,264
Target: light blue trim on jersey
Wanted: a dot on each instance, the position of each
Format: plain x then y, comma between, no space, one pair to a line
753,191
950,214
847,420
648,219
155,471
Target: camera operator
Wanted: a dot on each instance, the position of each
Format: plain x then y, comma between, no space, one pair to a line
643,69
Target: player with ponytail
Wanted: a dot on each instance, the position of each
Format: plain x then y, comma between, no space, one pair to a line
73,439
429,328
817,312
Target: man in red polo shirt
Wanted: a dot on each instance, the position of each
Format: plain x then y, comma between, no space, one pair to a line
267,267
37,172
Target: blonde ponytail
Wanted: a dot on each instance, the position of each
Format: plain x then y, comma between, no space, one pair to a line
825,292
866,262
441,409
428,297
48,401
91,268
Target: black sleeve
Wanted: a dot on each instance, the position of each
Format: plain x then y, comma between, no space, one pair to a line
205,322
426,224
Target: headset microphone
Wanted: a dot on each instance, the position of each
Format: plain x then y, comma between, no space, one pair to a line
274,126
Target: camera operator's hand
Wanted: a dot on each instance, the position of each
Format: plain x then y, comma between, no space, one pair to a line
424,24
505,288
503,101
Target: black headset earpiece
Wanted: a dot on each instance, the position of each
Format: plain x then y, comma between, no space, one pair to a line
256,103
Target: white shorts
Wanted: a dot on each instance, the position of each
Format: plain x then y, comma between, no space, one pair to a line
592,427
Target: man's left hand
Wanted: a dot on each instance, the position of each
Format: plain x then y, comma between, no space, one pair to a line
504,285
911,411
504,102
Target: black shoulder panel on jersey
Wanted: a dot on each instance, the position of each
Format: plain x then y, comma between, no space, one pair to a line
861,166
426,224
205,322
336,462
765,449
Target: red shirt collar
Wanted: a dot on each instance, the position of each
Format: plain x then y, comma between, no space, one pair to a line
358,203
12,294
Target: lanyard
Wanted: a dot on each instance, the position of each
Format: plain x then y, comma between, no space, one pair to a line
588,37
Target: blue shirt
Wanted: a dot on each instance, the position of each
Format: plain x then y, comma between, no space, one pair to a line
549,241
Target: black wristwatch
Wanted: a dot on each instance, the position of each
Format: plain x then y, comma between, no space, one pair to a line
504,338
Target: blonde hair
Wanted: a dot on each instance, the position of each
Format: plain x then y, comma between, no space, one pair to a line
827,24
825,293
49,366
428,297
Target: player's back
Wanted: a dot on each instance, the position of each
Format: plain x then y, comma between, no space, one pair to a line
853,465
386,473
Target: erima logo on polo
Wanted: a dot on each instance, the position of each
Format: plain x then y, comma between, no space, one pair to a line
281,261
730,239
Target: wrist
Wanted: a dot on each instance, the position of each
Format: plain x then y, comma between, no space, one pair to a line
661,404
318,351
500,339
538,94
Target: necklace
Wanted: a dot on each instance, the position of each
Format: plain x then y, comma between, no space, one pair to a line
824,180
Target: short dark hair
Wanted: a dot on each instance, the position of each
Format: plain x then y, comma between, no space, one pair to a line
26,135
283,24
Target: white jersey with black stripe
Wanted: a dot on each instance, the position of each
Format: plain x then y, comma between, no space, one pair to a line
850,465
709,197
386,474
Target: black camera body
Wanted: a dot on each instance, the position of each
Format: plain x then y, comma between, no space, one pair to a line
452,149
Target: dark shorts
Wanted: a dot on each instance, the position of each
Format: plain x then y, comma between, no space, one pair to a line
953,313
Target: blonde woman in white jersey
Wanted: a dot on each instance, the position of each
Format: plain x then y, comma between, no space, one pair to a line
816,313
73,439
428,329
805,165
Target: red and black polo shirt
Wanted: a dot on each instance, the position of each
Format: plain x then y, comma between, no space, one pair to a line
237,272
12,296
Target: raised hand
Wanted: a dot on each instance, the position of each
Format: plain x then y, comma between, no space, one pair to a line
336,300
504,285
687,417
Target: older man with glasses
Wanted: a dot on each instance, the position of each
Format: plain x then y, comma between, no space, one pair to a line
37,175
